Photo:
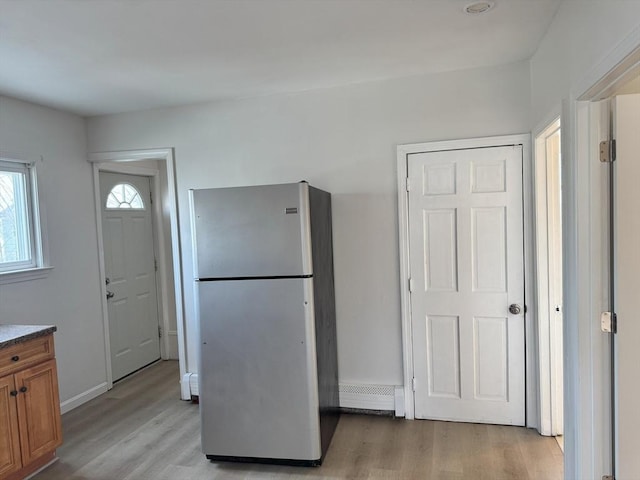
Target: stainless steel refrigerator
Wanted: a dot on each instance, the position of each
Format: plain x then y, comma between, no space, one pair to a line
268,382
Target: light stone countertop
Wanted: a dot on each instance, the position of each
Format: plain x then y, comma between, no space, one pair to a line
13,334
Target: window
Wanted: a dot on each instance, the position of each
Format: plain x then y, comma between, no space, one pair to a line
124,195
20,243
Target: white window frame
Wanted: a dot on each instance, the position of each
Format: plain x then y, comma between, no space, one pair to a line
37,266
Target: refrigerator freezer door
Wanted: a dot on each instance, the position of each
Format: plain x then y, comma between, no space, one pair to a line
260,231
258,373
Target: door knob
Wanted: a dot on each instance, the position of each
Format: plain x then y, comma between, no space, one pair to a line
110,294
514,308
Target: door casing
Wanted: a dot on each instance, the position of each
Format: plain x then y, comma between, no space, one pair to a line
547,287
587,351
117,162
403,222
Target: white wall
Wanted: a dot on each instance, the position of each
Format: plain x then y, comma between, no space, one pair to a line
70,296
579,46
343,140
582,33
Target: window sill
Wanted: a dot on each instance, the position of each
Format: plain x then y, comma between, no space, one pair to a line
24,275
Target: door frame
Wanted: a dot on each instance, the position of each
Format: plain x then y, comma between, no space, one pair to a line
116,162
549,345
531,386
587,351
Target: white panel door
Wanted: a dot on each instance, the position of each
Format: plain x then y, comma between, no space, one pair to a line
467,268
627,290
130,269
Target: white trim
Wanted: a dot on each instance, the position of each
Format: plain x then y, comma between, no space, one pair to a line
531,312
102,271
405,298
403,228
549,342
24,275
104,159
612,70
83,397
161,264
19,158
39,266
185,386
587,380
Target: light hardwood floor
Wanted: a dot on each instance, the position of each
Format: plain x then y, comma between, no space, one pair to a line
140,430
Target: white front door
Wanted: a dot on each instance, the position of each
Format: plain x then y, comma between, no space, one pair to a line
129,261
467,268
627,292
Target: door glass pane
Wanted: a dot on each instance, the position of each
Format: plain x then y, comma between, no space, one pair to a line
124,195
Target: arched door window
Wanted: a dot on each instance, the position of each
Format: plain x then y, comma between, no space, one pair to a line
124,195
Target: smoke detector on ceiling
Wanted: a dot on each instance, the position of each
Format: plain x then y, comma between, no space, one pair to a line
476,8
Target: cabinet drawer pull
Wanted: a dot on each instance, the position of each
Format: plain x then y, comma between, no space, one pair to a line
15,358
23,389
13,393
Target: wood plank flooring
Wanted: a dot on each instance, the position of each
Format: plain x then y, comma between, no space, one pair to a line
140,430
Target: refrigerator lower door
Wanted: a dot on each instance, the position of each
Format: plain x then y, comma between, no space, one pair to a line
257,372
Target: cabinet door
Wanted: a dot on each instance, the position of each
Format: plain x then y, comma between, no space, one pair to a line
38,410
9,436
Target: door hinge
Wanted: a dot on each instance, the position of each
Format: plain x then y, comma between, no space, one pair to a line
159,331
608,322
413,384
155,264
608,477
607,151
410,285
408,184
151,197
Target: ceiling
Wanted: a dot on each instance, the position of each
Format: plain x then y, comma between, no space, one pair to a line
94,57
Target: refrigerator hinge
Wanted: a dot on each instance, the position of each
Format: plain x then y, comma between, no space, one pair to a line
413,384
159,331
408,184
607,151
608,322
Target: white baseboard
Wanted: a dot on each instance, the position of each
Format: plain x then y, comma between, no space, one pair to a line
187,390
193,384
83,397
357,396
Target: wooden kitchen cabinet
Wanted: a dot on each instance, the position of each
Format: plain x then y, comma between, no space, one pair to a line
30,420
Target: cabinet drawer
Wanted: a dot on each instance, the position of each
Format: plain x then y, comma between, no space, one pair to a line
25,354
